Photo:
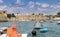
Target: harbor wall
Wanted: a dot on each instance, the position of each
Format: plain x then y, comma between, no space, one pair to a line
21,17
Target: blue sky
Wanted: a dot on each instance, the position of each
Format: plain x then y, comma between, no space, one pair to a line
30,6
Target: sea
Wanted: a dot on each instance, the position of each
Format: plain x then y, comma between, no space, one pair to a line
27,27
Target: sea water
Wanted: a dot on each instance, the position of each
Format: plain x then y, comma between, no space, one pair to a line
27,27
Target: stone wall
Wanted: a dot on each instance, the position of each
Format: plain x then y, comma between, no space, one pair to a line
3,16
30,17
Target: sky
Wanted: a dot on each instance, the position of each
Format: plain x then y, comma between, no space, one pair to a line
31,6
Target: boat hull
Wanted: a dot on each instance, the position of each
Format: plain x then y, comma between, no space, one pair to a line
43,30
23,35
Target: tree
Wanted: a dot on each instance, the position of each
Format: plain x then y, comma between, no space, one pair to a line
9,15
58,14
13,15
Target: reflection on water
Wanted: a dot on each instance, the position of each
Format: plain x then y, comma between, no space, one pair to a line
26,27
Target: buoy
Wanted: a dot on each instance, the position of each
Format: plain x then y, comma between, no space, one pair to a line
33,32
43,30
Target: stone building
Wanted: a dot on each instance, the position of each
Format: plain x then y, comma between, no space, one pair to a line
3,16
36,17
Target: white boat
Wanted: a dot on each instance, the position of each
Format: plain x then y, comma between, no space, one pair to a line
41,21
24,35
56,19
38,25
3,28
5,35
58,22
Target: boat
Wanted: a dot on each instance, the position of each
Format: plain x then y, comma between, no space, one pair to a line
41,21
12,31
58,22
56,19
3,28
22,35
51,21
43,30
38,25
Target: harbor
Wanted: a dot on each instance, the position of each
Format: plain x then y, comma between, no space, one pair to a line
29,18
34,25
22,27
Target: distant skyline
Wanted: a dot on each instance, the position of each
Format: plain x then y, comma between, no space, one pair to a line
30,6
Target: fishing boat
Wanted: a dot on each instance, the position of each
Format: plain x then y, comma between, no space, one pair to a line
43,30
38,25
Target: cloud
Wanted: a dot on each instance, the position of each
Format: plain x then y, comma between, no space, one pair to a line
3,7
55,6
41,9
1,1
44,5
32,7
14,9
37,7
9,9
31,4
19,2
37,3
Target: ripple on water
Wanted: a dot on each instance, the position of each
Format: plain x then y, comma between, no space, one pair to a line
25,27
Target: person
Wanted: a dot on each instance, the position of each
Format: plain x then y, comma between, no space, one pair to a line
12,32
